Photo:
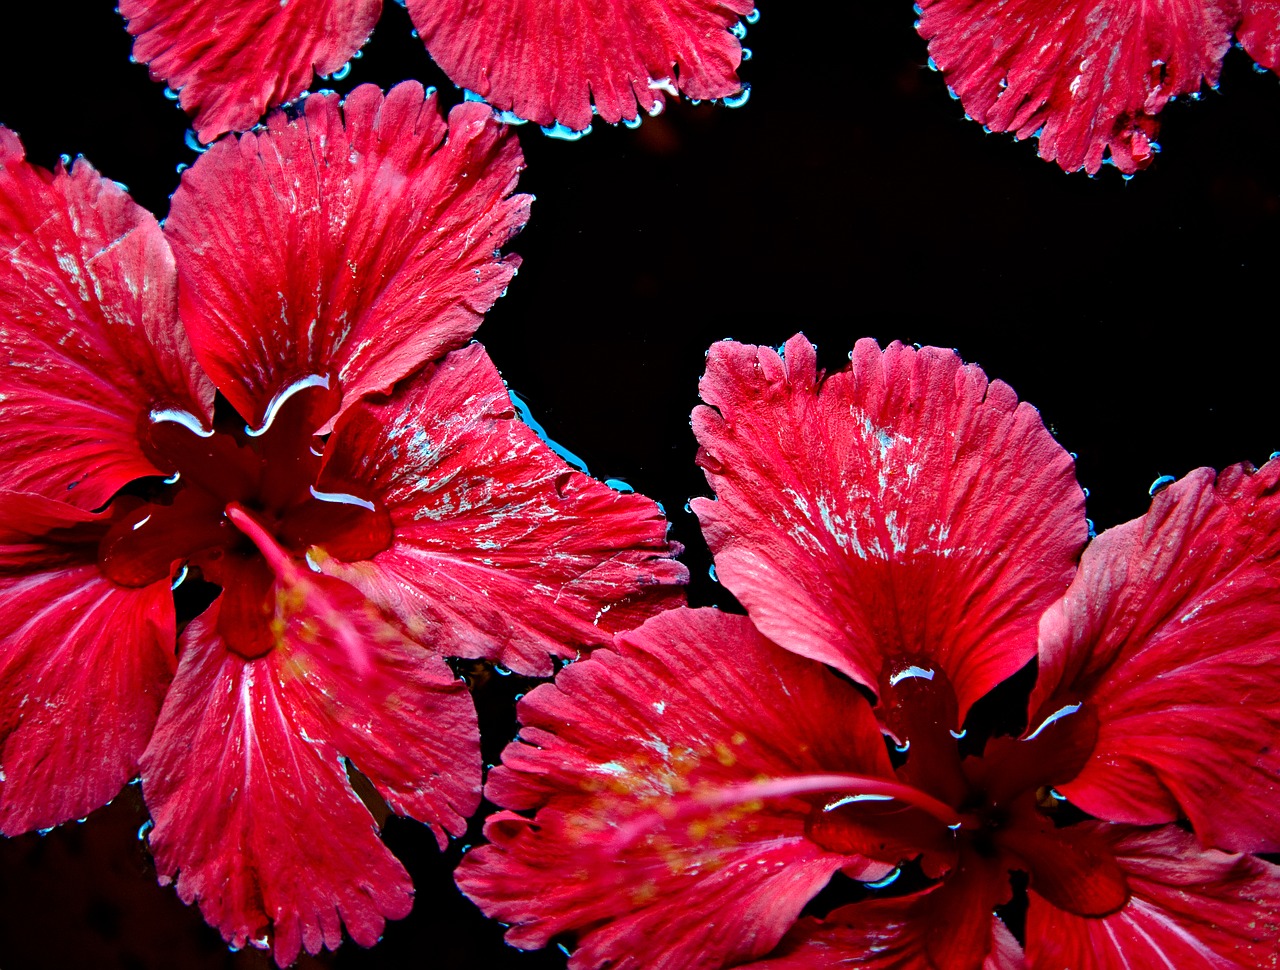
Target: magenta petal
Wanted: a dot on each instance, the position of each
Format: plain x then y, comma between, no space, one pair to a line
353,242
231,60
1259,31
501,550
692,701
1170,634
1190,908
1087,76
91,332
244,777
84,666
902,512
552,66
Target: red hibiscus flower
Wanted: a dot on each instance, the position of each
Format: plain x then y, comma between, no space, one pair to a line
359,503
906,537
558,65
1088,77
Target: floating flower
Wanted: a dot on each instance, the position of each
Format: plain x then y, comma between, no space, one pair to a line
906,531
1088,77
557,66
360,503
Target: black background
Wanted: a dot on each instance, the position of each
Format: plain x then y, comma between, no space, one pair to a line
847,198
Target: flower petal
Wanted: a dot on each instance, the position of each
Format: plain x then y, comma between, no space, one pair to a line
1259,31
232,60
1190,908
692,701
254,812
1087,77
91,332
501,550
350,242
896,515
1170,634
552,67
84,665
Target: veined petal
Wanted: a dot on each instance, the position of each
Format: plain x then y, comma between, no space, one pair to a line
1087,77
89,328
1191,909
351,242
899,514
230,61
693,702
1170,635
254,813
84,666
550,65
500,550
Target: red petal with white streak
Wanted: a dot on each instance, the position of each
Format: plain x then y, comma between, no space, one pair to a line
1259,31
500,550
1170,633
1089,76
254,812
232,60
84,665
354,242
91,334
1191,909
552,65
902,512
693,701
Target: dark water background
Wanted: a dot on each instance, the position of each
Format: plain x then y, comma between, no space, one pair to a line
847,198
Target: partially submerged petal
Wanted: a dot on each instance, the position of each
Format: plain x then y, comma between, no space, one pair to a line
500,550
897,515
230,61
350,242
90,332
84,666
1190,907
1087,77
553,65
245,777
1170,637
692,703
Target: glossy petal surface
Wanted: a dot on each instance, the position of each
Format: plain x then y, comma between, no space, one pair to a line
89,314
500,550
232,60
1192,908
691,702
1170,633
1087,76
899,513
353,241
253,809
84,665
550,62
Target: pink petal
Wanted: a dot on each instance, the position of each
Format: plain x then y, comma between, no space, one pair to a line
501,550
1259,31
693,700
84,665
900,513
1191,908
1087,76
232,60
551,68
253,810
1170,635
87,295
353,242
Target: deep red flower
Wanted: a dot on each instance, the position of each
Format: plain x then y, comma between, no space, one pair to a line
229,62
677,803
1088,77
323,274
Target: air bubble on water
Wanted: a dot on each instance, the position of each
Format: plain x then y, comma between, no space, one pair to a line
193,142
888,880
712,573
564,132
632,122
959,735
739,30
753,17
501,671
144,829
180,578
1160,484
746,53
341,72
739,99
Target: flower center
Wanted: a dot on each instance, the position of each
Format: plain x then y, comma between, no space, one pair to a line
181,528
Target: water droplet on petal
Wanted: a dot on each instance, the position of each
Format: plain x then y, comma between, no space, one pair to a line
888,880
277,402
170,93
739,30
739,99
341,72
1160,484
923,673
193,142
